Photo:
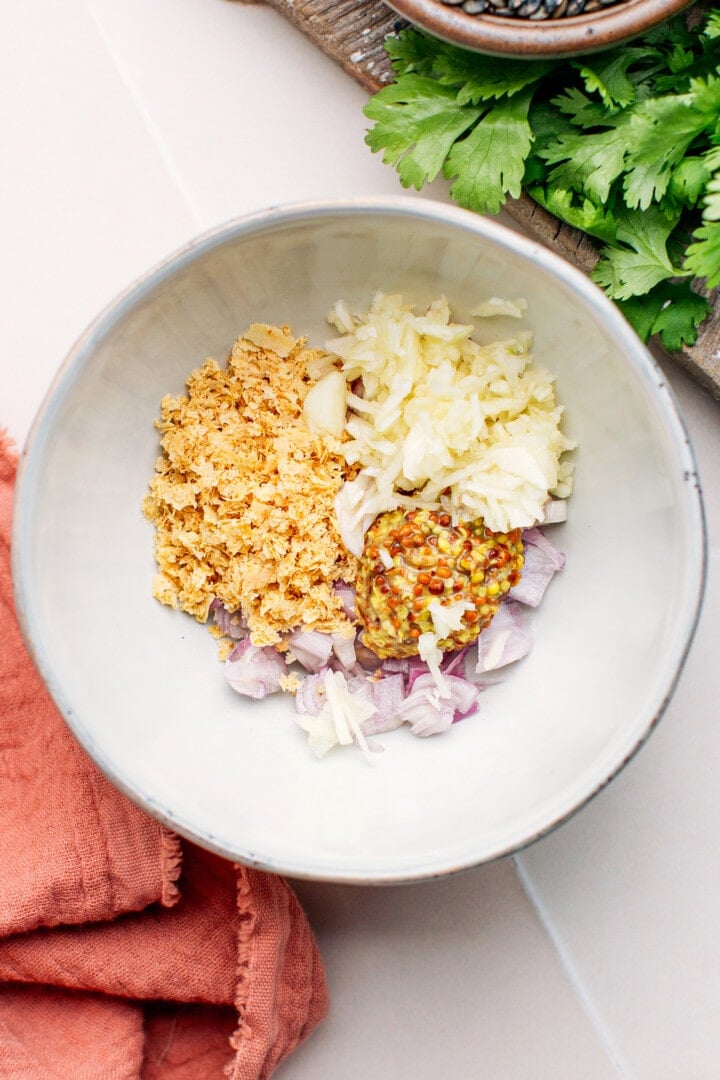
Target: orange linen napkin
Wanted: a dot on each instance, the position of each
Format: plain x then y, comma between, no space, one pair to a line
124,954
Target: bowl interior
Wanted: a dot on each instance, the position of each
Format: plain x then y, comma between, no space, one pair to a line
141,685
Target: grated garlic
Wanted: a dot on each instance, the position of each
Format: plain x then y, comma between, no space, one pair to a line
439,411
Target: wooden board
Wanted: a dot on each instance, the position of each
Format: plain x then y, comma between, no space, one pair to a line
352,32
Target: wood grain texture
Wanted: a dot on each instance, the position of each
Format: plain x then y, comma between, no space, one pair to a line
352,32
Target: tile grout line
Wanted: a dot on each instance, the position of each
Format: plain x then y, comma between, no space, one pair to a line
621,1068
146,118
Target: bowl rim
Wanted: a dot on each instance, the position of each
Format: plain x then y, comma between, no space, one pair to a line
538,38
80,354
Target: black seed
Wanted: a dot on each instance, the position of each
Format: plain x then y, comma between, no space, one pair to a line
537,10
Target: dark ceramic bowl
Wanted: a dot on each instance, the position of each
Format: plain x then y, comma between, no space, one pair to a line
530,38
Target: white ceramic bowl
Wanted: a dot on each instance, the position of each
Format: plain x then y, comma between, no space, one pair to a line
140,685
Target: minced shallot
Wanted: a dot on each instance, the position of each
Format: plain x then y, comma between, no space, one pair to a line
345,694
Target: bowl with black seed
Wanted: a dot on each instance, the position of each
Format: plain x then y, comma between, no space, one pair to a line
537,29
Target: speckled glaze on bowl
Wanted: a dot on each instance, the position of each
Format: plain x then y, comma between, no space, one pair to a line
539,39
140,685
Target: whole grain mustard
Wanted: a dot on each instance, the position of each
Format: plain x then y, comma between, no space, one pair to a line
414,560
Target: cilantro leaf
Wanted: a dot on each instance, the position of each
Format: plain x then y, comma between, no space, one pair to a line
547,124
411,51
489,163
688,181
679,319
711,211
576,210
671,310
607,75
476,77
588,163
712,156
582,111
661,130
640,259
623,145
416,124
642,311
711,30
703,254
666,35
483,78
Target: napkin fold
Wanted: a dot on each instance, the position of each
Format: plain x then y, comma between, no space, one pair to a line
126,954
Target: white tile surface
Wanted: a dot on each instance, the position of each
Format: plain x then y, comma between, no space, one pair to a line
450,979
631,885
243,105
128,127
87,203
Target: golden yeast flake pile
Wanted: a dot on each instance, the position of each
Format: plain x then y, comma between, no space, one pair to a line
243,496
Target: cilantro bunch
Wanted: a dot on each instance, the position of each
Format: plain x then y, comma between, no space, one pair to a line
624,145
